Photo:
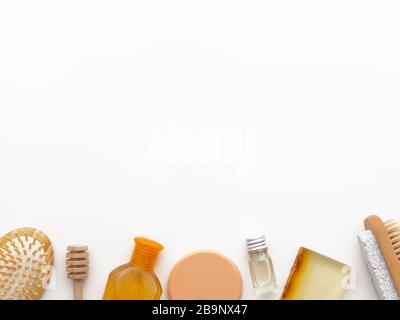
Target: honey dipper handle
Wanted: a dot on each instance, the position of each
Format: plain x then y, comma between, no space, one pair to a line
78,290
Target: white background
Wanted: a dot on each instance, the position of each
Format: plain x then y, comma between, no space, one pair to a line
84,84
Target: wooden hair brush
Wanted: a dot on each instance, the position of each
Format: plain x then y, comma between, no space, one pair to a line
380,243
26,262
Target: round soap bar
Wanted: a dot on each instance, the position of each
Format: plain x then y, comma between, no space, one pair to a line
205,275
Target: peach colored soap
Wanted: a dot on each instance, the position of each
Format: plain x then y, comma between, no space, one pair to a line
205,275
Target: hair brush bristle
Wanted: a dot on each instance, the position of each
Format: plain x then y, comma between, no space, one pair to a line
393,230
26,260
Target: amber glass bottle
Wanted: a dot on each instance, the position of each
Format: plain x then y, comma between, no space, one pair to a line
136,280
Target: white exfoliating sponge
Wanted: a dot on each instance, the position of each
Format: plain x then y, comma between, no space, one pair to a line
377,266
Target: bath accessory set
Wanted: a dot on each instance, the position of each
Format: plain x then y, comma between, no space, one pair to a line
26,262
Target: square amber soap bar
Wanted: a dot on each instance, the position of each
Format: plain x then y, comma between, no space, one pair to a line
316,277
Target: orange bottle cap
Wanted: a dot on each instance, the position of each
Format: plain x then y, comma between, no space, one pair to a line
145,253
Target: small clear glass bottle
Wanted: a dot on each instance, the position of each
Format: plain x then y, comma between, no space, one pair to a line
260,264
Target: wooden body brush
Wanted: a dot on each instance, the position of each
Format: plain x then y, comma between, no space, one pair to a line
78,268
26,262
380,243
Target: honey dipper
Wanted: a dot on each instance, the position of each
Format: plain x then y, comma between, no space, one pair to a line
78,267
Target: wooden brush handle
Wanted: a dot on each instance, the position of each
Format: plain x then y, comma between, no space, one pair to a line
78,268
376,225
